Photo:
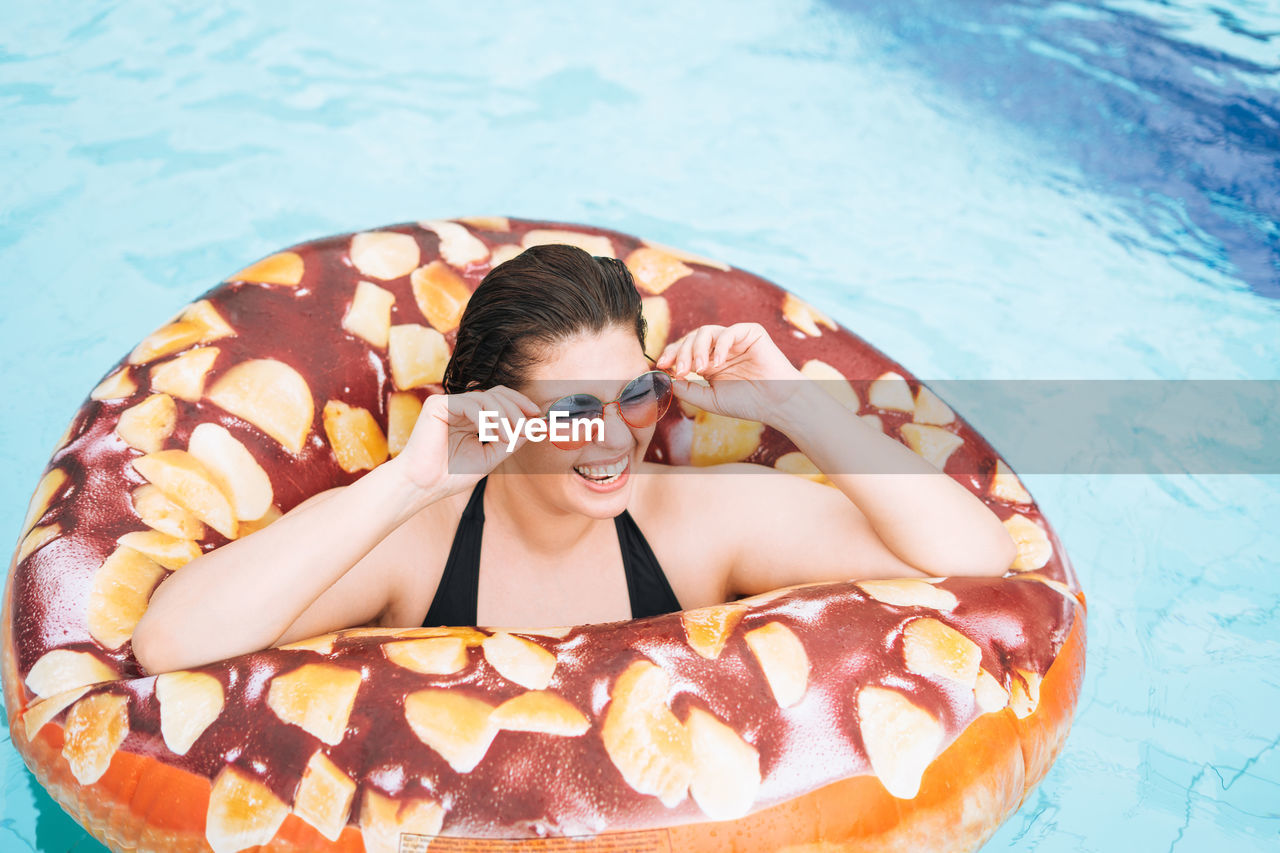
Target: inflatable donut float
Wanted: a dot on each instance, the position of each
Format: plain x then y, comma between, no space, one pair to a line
902,714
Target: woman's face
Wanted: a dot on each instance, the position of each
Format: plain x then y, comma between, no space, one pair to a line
593,480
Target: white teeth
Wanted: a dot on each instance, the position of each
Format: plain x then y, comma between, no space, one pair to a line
603,473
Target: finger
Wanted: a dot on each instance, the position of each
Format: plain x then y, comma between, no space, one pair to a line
507,410
464,409
515,415
700,350
684,357
465,413
461,420
745,336
669,353
479,411
487,419
526,405
693,392
751,332
724,345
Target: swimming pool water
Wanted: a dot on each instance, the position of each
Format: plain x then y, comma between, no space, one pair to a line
1002,190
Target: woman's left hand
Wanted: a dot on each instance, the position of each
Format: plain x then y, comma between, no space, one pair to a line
748,375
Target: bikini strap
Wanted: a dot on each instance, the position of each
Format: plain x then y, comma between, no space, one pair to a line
456,596
647,585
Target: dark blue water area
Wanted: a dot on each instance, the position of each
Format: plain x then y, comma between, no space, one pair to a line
1174,110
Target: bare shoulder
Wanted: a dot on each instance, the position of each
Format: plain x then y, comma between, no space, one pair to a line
696,518
735,502
667,493
731,486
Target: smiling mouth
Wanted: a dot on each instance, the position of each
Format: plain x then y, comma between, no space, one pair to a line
603,474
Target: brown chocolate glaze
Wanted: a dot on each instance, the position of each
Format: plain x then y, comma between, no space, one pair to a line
527,784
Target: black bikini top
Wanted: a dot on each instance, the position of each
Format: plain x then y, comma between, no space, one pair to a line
455,598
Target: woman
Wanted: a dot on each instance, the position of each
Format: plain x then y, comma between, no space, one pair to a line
562,541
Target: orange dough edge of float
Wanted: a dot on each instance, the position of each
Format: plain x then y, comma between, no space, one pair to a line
140,802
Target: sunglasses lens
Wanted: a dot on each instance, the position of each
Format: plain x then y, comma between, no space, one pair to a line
574,414
576,407
645,399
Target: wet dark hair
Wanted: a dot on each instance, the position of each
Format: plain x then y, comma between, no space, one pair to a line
542,296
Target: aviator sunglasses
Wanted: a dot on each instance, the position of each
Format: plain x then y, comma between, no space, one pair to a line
643,401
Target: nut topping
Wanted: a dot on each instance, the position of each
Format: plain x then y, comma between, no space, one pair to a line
324,796
189,703
935,444
540,711
419,356
708,628
146,425
242,812
901,739
369,316
933,648
384,255
657,324
645,741
383,820
1006,486
272,396
804,316
186,482
96,726
183,376
1034,547
441,295
891,392
458,246
316,697
726,775
64,669
718,439
115,386
233,469
457,726
281,268
592,244
122,587
355,436
782,657
517,659
654,270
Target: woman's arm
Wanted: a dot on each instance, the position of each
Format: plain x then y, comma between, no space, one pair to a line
781,530
243,596
247,594
899,513
924,517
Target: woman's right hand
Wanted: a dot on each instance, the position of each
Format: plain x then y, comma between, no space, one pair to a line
444,451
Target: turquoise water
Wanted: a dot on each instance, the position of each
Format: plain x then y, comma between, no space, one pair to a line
1006,190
